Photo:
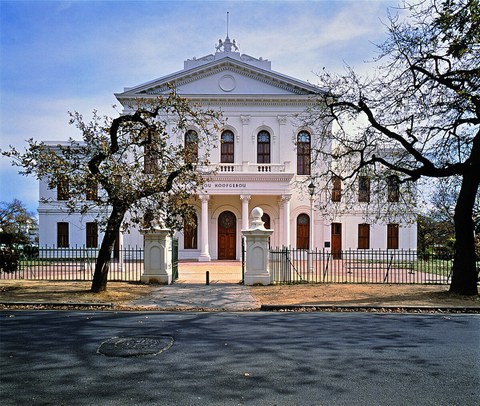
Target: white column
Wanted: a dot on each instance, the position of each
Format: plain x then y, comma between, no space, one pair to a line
245,199
286,219
205,254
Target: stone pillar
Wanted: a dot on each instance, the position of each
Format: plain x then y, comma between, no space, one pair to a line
286,219
245,199
257,270
205,253
158,256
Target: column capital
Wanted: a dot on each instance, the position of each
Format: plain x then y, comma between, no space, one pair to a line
282,120
245,120
285,198
204,197
245,197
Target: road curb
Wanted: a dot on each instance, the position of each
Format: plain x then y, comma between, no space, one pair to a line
379,309
57,304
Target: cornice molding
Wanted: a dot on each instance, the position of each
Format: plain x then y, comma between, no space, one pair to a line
232,100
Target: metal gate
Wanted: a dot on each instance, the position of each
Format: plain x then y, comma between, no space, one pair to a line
244,249
174,260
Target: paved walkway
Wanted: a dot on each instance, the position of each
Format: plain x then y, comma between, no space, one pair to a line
191,292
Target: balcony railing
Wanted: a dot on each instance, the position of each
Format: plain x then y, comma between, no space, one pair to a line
248,167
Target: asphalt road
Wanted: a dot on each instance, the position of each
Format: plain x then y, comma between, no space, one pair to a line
58,358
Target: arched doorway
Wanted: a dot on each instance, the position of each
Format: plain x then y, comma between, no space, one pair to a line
227,233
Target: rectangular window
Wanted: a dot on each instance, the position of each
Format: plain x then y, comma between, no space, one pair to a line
62,189
392,236
62,235
150,163
364,236
393,190
363,189
336,189
92,189
92,235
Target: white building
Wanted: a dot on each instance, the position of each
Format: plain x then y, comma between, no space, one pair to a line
263,160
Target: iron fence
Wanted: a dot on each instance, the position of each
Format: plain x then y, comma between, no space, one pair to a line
358,266
76,263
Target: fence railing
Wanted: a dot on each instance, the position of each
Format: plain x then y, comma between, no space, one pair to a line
76,263
358,266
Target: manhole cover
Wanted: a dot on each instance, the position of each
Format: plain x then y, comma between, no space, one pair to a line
135,346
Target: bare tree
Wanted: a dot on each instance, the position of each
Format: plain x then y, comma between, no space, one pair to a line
128,167
418,116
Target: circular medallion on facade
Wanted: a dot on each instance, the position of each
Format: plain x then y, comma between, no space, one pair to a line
135,346
227,83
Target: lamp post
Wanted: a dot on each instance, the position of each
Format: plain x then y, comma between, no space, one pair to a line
311,192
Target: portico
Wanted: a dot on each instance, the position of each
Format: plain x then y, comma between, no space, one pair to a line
225,208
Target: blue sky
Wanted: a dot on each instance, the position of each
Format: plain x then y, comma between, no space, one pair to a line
60,56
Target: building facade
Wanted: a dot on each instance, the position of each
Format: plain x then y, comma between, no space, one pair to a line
263,159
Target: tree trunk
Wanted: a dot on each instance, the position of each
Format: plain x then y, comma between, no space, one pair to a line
102,266
464,272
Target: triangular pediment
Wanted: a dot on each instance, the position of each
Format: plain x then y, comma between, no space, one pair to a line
226,77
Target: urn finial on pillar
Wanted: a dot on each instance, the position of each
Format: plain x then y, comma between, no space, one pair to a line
257,271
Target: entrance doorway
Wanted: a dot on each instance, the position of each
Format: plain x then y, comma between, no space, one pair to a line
227,233
303,231
336,240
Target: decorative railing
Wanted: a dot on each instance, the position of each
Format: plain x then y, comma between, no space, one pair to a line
74,263
247,167
290,265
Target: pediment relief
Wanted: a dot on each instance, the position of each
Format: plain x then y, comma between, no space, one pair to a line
224,78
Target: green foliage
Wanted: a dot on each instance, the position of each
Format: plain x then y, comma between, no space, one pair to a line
15,223
9,259
459,21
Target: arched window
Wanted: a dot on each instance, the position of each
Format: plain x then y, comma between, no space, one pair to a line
227,147
263,147
190,234
191,146
303,231
303,153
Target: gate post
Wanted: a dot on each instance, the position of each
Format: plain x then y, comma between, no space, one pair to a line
257,271
158,256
